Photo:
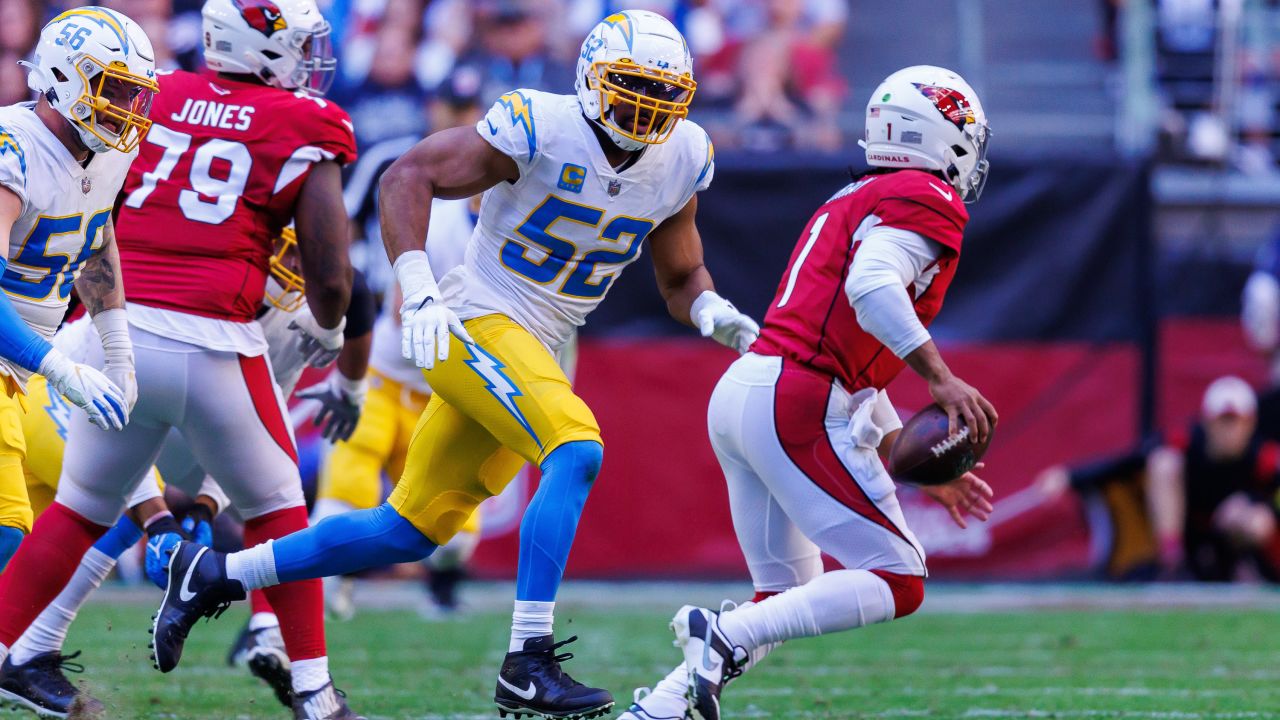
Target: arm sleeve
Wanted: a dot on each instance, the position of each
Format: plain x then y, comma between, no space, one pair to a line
511,127
19,344
888,261
362,311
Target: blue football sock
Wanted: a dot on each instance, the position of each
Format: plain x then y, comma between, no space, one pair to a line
10,538
122,536
350,542
550,522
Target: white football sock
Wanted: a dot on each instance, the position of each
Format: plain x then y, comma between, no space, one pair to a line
262,620
532,618
667,698
255,567
310,674
834,601
49,631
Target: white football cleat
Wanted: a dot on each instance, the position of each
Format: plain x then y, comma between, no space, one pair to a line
710,657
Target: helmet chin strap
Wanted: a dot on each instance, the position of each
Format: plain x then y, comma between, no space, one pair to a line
618,139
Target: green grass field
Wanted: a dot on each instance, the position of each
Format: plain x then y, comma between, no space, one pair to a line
1214,663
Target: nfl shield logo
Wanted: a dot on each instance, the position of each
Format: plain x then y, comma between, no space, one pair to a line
86,185
615,187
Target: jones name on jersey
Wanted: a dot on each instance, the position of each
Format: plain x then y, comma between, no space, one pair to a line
548,246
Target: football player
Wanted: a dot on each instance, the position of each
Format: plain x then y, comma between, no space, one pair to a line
231,161
62,161
574,187
798,423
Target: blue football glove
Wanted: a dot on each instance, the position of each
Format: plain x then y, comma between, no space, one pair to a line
159,547
201,531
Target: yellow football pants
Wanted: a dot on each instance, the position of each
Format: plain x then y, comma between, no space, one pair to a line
497,404
352,473
15,509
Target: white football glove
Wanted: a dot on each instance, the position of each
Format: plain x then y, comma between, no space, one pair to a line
341,400
320,346
117,350
88,389
426,320
718,318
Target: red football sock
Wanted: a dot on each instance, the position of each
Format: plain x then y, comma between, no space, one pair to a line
763,594
298,605
258,601
43,565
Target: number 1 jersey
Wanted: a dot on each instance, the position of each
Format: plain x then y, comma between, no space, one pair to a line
216,180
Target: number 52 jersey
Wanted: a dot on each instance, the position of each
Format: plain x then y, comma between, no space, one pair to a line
65,207
216,180
547,247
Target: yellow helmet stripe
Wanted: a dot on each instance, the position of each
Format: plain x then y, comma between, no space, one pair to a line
103,18
622,21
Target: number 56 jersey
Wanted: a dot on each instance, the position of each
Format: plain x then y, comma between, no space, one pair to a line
65,208
547,247
217,179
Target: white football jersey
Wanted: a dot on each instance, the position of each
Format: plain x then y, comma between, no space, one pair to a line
447,236
548,246
64,209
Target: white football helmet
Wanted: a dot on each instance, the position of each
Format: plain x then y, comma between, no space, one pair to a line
928,117
284,43
635,78
96,68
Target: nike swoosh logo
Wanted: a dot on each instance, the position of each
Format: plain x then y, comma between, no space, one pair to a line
492,130
524,694
944,193
706,651
184,592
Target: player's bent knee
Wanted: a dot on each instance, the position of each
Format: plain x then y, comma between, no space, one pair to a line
581,458
908,591
406,541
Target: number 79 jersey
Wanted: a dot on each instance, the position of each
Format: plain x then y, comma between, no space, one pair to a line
547,247
215,182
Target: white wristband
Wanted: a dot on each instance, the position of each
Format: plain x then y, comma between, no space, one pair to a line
55,367
350,387
113,329
413,271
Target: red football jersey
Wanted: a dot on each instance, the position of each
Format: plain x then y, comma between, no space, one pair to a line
214,183
811,321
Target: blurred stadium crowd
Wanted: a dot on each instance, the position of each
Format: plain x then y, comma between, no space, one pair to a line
394,55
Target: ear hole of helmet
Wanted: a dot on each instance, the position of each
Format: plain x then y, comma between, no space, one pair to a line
959,151
271,54
59,76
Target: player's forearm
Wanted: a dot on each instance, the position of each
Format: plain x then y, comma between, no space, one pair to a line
101,284
927,362
353,360
404,207
681,293
324,243
19,344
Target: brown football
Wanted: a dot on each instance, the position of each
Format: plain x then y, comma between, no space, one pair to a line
923,454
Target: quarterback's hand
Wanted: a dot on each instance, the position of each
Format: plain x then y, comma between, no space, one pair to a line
426,323
341,400
962,401
718,318
320,346
102,400
966,494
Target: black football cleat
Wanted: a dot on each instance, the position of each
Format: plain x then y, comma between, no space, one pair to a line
532,683
269,662
327,703
41,687
198,588
711,658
